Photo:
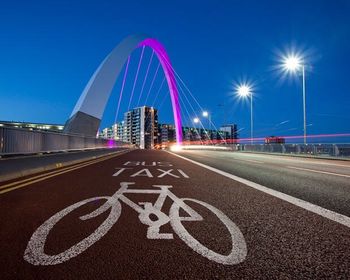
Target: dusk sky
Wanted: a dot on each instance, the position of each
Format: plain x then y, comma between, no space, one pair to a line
50,49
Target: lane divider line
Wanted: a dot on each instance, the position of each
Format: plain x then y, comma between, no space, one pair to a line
333,216
29,181
319,171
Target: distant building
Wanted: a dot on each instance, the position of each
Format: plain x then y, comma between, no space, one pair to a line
117,131
141,127
34,126
166,135
106,133
114,132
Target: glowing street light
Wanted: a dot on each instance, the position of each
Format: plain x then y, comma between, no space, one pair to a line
245,91
196,120
293,64
206,114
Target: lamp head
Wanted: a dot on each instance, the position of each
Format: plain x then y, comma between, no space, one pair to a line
292,63
244,90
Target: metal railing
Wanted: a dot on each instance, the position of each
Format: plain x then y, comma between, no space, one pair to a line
324,150
24,141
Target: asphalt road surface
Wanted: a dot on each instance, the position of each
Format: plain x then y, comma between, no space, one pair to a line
320,181
155,215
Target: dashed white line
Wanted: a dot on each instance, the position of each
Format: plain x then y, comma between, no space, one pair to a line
319,171
333,216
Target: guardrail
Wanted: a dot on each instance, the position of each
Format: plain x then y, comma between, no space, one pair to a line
24,141
321,150
327,150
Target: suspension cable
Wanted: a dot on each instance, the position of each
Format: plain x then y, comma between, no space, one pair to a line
137,73
144,81
122,89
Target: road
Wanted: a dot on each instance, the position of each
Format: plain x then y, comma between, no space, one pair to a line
155,215
322,182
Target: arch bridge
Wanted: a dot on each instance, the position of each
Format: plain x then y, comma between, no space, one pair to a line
88,111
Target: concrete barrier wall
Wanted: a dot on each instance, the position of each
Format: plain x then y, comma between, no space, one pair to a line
24,141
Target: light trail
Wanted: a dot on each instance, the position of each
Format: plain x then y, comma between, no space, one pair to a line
137,73
122,89
239,141
301,136
144,81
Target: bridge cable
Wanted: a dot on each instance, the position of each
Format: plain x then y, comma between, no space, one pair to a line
201,108
189,118
144,81
194,112
122,89
155,75
137,73
161,85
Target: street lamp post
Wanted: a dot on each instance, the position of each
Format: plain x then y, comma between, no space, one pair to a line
293,64
206,114
196,121
246,91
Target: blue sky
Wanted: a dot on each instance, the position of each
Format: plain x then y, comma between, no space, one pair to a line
50,49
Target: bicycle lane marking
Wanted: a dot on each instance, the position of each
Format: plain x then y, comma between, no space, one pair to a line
35,254
333,216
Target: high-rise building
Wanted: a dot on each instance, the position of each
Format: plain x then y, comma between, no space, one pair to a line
141,127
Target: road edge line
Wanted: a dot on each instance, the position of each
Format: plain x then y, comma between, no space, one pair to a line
333,216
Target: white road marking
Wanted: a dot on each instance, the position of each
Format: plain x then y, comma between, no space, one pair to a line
336,217
319,171
143,172
183,174
35,251
120,171
166,172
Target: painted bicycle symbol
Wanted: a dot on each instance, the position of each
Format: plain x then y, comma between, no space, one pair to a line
35,254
